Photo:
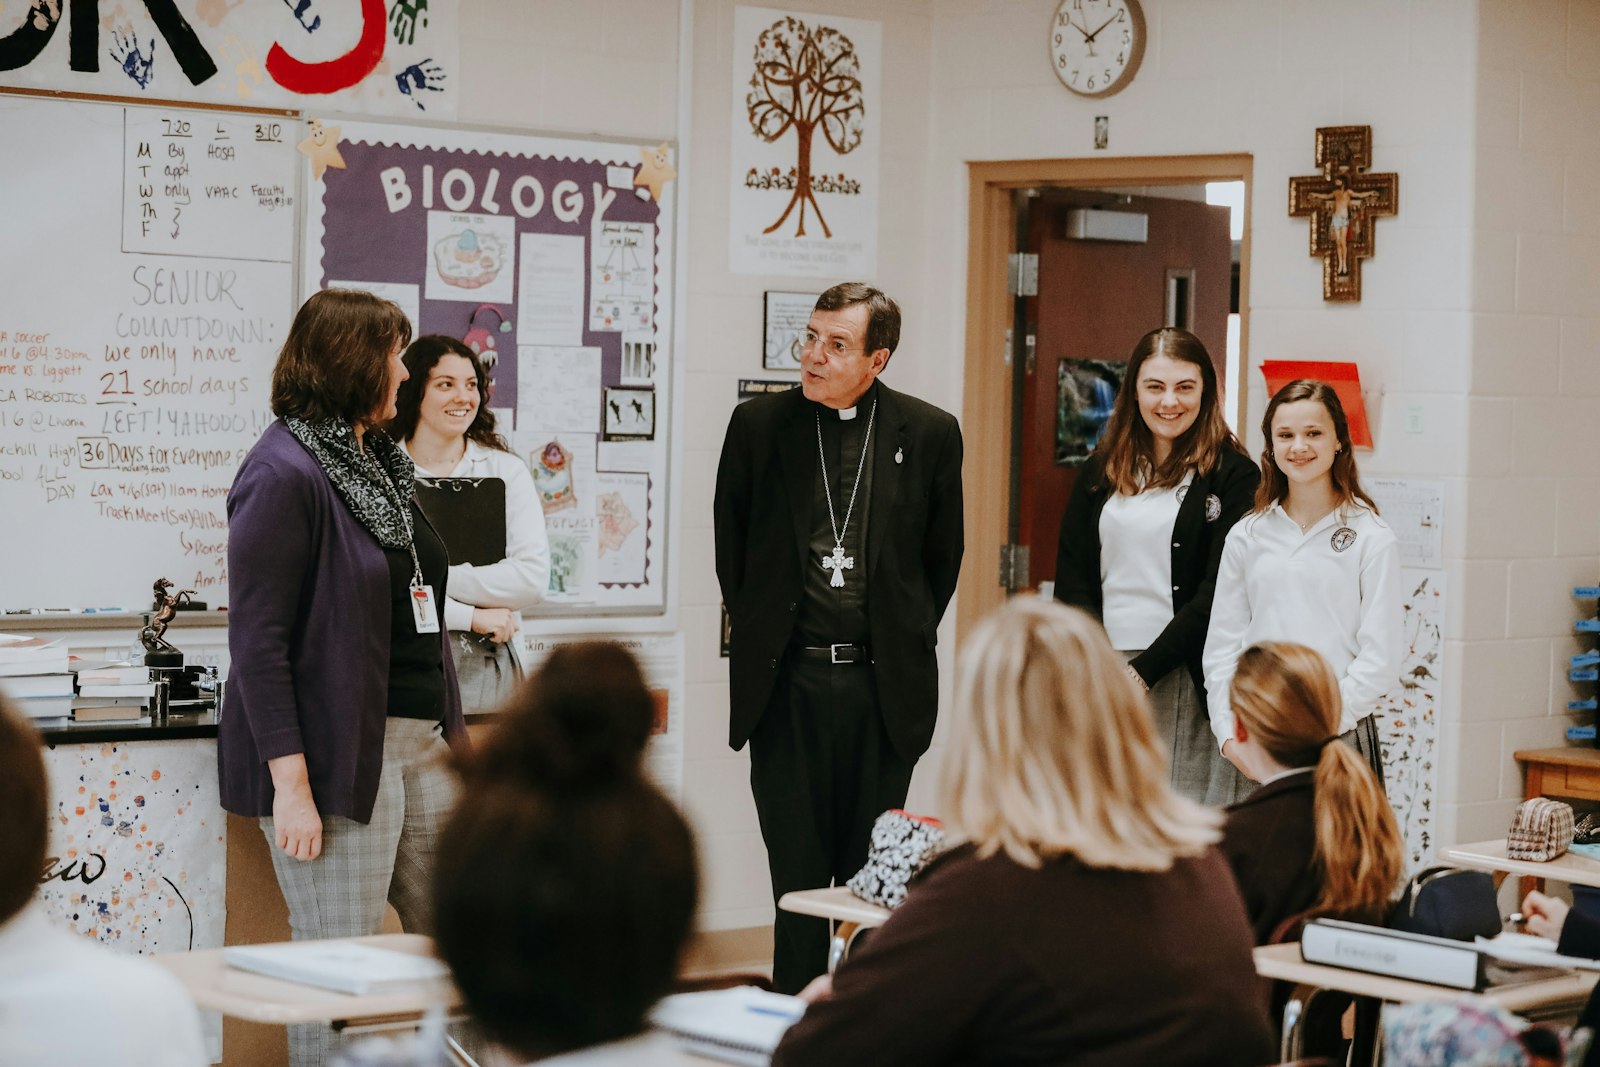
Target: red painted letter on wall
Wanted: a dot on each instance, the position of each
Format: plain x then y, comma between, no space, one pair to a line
335,74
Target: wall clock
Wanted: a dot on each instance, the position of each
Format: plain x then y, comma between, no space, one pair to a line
1096,45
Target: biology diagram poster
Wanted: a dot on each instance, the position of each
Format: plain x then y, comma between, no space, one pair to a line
807,123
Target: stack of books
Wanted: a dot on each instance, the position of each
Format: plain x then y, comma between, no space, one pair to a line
115,692
34,675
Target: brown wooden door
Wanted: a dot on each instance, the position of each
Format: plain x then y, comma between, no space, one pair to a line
1096,298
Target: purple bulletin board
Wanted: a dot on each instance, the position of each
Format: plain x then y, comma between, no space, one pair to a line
553,258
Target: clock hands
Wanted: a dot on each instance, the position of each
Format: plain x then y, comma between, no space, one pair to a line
1090,38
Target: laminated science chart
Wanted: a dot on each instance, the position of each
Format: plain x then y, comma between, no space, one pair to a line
553,259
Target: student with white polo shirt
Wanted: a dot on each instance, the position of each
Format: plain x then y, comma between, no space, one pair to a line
1313,564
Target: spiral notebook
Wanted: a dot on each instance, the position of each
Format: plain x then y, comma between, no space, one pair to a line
739,1025
469,515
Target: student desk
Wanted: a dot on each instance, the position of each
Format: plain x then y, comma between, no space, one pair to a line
259,999
1491,856
838,905
1543,998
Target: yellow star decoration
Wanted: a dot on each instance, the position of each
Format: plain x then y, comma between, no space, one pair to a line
321,146
655,172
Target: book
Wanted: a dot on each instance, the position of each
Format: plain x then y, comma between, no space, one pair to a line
738,1025
109,713
139,689
1394,953
52,664
53,707
114,674
342,966
20,686
15,648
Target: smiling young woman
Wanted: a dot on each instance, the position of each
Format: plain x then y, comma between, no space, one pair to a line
1314,564
1143,533
444,423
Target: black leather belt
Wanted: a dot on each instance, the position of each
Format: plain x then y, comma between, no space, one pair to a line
833,653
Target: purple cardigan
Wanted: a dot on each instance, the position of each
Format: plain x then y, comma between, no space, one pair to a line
308,634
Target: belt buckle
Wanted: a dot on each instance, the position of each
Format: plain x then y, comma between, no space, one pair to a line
833,654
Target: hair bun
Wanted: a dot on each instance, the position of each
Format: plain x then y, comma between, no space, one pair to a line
580,723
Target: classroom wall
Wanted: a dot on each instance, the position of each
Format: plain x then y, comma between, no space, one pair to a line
1532,508
1473,318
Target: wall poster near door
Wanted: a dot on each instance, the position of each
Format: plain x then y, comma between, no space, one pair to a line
1086,389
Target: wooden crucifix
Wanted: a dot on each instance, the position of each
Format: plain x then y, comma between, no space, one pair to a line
1343,203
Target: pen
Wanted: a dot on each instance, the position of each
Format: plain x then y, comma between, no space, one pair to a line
105,611
777,1013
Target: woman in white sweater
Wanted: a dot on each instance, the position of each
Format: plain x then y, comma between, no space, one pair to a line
444,423
1312,564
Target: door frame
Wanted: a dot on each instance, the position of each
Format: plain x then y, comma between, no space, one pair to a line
986,395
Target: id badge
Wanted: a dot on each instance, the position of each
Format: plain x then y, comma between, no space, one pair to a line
423,609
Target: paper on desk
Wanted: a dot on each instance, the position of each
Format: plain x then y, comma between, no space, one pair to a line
1526,948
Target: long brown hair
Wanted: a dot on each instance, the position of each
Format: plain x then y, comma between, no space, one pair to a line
420,359
1287,698
1274,487
1127,445
25,799
334,363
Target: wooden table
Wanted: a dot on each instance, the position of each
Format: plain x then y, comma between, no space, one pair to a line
838,905
1558,772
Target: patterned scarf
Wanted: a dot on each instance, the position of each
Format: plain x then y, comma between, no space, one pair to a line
377,484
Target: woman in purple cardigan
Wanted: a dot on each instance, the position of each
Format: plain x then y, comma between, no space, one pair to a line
342,693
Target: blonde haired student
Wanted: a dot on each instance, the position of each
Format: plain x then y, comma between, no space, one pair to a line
1312,564
1318,836
1062,928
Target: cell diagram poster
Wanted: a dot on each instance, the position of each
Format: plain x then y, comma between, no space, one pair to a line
552,258
373,57
807,123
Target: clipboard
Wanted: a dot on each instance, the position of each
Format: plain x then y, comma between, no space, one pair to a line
469,515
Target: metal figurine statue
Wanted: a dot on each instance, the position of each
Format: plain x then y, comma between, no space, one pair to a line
159,652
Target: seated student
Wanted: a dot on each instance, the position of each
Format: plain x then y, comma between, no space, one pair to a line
1576,933
63,998
1318,836
1084,917
565,882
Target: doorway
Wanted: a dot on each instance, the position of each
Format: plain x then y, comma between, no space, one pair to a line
1124,245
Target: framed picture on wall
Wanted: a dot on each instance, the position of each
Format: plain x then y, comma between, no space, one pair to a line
784,327
1086,389
630,414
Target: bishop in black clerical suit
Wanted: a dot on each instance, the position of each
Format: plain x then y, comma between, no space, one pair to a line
838,540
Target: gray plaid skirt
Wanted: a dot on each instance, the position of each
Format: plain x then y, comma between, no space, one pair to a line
1196,765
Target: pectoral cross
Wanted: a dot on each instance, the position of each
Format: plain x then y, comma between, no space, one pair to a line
838,563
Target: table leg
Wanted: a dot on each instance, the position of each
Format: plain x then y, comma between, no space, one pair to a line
1535,789
843,934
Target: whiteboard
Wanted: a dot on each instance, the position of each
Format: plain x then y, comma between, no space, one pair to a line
148,282
556,255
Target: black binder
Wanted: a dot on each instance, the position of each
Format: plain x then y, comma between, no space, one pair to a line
469,515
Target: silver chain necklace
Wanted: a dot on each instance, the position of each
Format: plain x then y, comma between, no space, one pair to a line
838,562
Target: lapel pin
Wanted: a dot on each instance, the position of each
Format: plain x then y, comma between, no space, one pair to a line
899,455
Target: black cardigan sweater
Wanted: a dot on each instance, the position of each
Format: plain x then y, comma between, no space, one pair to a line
1197,538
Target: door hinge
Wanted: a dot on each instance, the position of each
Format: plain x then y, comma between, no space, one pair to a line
1022,274
1028,343
1013,567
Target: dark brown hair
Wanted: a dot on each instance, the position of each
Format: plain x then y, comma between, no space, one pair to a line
335,362
883,314
566,883
1274,487
420,359
1127,445
24,831
1287,698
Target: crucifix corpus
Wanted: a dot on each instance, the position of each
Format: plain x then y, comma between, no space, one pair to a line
1343,203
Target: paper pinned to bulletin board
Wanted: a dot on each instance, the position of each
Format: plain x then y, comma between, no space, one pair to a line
569,245
1345,379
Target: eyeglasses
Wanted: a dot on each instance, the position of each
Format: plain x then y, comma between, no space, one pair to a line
832,347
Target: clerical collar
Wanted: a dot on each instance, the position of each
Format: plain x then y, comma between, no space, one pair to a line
849,413
846,414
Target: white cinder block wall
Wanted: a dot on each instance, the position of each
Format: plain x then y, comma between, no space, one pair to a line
1532,498
1480,307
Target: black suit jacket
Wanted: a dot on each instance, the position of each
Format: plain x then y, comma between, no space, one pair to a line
763,516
